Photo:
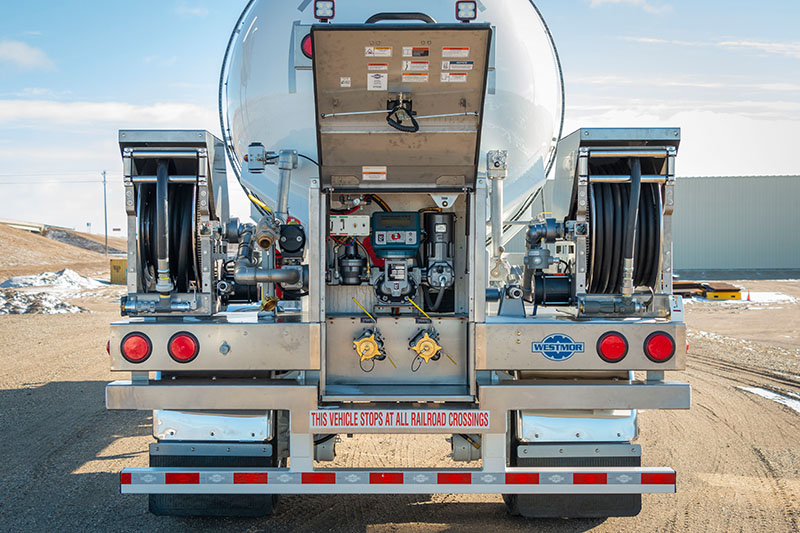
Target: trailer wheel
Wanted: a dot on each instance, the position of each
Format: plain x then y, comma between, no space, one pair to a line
244,505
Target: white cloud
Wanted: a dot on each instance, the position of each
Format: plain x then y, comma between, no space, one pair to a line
788,48
23,55
160,115
183,8
692,83
644,4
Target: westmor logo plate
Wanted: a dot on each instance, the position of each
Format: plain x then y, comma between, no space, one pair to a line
558,347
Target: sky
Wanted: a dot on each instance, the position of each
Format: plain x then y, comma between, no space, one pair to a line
73,73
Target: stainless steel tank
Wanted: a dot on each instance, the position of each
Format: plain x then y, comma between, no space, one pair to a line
266,91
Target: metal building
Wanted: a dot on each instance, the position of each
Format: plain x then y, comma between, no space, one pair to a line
726,224
743,223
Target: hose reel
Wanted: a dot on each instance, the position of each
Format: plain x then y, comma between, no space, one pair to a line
182,223
608,216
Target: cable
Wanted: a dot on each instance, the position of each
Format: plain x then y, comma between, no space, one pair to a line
308,158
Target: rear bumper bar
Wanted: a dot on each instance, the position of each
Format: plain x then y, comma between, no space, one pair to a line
617,480
300,400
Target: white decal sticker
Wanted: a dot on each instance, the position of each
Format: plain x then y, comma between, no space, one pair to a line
373,173
415,66
415,77
452,51
377,66
399,419
416,51
378,51
345,82
457,65
454,77
377,82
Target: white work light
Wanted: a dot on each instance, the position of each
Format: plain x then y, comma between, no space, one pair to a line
324,9
466,11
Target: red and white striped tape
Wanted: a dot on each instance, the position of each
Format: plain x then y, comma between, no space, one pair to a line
539,480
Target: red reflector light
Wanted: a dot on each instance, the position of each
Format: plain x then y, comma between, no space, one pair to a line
612,347
307,47
385,478
124,478
590,478
183,347
135,347
454,478
320,478
182,478
519,478
667,478
249,478
659,347
108,347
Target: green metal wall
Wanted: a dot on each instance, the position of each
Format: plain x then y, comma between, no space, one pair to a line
735,223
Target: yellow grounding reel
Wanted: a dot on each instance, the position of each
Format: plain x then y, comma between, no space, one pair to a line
426,345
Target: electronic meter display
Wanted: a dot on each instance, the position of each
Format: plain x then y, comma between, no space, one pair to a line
395,235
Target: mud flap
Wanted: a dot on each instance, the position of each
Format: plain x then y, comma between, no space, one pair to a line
575,505
211,504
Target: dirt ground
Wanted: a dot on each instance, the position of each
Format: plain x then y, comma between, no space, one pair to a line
736,453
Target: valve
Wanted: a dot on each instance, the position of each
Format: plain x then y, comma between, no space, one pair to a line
369,345
426,345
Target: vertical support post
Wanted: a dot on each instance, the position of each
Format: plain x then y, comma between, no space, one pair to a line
105,211
301,451
494,451
496,171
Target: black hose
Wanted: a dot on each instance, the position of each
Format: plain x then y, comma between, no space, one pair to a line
615,275
162,210
633,207
608,238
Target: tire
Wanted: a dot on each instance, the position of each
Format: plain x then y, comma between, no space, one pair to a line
575,505
243,505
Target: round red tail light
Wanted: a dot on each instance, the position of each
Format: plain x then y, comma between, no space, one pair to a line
659,347
136,347
183,347
307,47
612,347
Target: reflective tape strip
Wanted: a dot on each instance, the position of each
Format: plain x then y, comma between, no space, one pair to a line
542,480
454,478
656,478
386,478
519,478
182,478
328,478
589,478
249,478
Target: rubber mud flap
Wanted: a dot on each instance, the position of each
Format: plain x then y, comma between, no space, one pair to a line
246,505
575,505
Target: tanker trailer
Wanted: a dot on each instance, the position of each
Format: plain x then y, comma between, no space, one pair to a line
389,155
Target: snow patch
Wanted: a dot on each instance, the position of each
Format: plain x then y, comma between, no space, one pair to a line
22,303
775,397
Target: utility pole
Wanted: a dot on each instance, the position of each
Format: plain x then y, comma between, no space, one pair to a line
105,210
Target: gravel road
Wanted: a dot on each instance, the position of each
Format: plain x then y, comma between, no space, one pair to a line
736,453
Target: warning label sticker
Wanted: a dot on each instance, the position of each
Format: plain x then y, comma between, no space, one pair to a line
345,82
416,51
415,77
377,66
378,51
454,77
415,66
373,173
452,51
377,82
457,65
399,419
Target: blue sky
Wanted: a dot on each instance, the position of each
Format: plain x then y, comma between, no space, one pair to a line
73,73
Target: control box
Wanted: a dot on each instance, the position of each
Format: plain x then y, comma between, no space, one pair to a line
396,235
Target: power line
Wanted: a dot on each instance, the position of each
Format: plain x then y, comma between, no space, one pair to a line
47,182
